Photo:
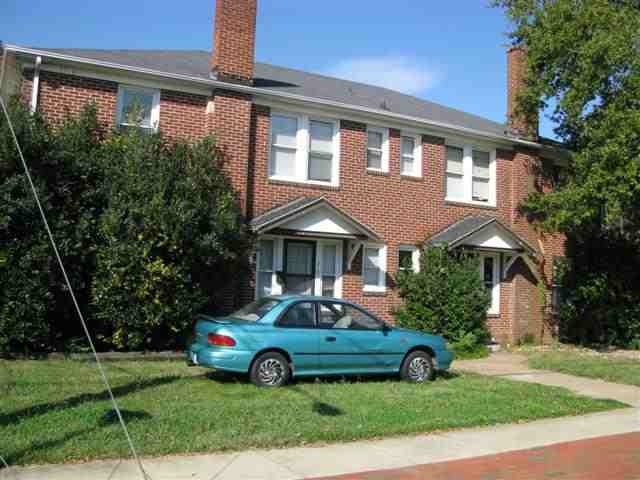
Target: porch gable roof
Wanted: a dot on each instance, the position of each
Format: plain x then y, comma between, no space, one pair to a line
294,212
475,230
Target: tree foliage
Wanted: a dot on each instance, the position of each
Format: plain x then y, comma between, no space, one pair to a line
584,67
447,297
150,233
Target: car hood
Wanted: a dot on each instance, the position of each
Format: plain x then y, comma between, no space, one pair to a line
434,339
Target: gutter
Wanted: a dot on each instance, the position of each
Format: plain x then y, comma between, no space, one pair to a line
261,91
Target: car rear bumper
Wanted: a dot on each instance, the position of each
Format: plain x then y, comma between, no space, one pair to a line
228,359
444,359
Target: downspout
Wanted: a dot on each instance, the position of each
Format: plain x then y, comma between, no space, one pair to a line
33,106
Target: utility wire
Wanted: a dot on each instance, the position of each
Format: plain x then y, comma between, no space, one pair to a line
144,474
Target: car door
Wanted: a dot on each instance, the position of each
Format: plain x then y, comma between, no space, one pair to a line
296,334
352,341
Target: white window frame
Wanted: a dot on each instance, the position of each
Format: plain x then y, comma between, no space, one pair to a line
155,109
494,307
384,160
303,143
415,256
382,275
337,286
417,154
467,174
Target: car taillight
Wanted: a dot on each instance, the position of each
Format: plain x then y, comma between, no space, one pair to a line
218,340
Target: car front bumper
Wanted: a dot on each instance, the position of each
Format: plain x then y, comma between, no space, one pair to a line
227,359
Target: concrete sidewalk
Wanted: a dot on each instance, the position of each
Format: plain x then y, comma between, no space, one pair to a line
514,367
392,453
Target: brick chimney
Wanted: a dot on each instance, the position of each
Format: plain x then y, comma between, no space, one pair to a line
516,82
234,39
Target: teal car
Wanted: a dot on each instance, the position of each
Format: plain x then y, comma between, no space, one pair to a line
276,338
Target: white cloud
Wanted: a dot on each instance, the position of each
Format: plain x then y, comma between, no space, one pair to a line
399,73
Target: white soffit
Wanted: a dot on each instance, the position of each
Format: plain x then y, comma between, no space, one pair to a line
321,220
493,236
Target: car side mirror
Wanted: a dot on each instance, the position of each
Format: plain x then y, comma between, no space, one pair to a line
386,328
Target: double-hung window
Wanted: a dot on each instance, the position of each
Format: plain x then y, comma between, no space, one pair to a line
138,107
490,273
481,177
284,146
304,149
265,264
470,175
378,149
410,153
374,268
320,150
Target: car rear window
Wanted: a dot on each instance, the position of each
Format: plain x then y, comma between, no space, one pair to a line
255,310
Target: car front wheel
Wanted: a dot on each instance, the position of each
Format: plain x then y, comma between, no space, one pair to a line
271,369
417,367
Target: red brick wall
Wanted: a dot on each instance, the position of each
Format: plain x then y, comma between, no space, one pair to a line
406,210
182,115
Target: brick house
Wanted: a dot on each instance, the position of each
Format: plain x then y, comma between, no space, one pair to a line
341,181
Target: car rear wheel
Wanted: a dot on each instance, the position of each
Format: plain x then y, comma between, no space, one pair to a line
271,369
418,367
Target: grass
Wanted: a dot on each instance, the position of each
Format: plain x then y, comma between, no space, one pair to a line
618,370
57,410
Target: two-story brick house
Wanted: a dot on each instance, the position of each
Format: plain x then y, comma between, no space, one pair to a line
341,181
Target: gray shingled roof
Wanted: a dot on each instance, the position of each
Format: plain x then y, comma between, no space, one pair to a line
455,234
195,63
271,217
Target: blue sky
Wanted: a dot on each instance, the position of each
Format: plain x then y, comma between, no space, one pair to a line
449,52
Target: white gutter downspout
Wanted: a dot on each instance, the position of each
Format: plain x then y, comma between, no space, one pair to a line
33,106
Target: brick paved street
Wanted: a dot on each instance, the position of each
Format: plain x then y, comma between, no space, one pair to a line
605,458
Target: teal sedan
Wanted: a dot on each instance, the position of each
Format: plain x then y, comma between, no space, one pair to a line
276,338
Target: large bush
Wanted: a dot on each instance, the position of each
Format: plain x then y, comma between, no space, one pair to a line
35,311
171,235
601,286
150,233
446,297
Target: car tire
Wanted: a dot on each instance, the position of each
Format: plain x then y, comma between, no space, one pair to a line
271,369
417,367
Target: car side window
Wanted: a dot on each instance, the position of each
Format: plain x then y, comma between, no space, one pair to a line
300,315
346,317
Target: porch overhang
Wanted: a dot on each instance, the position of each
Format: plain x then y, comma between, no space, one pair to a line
485,233
312,217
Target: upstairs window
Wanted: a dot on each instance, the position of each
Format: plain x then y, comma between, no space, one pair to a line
377,149
410,151
284,145
470,175
304,149
481,177
138,107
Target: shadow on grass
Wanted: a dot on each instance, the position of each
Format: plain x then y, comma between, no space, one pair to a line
71,402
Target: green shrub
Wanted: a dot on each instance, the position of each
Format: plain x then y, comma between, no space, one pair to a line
35,308
172,236
446,297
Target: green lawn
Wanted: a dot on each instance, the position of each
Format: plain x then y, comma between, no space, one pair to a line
617,370
56,411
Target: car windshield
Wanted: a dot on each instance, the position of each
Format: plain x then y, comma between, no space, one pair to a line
255,310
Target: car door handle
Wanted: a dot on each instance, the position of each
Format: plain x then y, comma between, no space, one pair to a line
330,339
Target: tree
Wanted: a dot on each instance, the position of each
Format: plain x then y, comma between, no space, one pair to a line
447,297
584,66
